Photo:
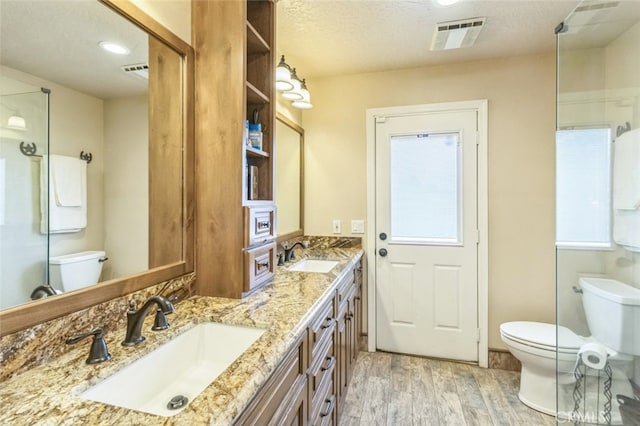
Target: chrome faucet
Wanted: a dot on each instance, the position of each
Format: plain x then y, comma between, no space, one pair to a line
135,319
288,251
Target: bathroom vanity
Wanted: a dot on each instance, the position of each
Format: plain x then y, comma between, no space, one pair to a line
296,371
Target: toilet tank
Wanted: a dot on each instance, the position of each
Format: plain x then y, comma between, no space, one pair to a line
612,309
77,270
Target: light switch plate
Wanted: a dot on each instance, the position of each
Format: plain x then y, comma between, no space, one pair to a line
357,226
337,226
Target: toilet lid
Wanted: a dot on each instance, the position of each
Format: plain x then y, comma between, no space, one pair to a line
542,335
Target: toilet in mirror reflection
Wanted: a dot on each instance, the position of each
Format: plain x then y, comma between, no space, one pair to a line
75,271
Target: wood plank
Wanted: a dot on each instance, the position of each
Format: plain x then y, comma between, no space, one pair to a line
477,417
374,411
399,411
381,365
346,420
220,108
425,411
400,373
354,400
438,393
509,382
467,387
447,398
494,398
165,155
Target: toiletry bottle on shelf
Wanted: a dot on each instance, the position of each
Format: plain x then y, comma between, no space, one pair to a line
245,133
255,135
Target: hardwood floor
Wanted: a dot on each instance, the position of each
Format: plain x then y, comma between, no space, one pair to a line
399,390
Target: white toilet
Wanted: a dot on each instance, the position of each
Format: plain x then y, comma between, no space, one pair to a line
75,271
613,314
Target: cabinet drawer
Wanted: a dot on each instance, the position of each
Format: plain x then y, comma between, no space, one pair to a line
283,397
324,404
260,266
344,288
321,329
322,369
260,225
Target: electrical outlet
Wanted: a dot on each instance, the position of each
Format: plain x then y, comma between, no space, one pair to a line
357,226
337,226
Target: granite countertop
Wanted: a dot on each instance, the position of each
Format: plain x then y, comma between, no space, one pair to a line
45,395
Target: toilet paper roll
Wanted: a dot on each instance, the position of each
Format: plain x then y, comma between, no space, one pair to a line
594,355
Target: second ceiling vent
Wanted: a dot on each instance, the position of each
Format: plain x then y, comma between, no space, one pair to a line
456,34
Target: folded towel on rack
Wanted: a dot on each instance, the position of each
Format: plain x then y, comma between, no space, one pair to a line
67,180
63,194
626,171
626,190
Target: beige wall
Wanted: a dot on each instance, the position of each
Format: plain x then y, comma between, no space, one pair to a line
173,14
126,186
521,95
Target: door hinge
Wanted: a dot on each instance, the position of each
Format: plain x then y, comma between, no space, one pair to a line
477,236
381,119
478,336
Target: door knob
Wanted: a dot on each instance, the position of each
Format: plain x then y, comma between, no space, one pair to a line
383,236
382,252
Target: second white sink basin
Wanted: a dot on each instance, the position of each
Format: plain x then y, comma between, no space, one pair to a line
184,366
314,265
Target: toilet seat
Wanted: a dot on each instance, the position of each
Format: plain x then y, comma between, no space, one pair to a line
542,336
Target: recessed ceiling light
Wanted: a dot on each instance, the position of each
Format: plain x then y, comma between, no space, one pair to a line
114,48
446,2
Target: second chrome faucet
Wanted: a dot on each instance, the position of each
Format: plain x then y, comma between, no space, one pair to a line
135,318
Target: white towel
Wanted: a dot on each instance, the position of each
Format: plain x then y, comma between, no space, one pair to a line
67,177
66,212
626,190
2,189
626,171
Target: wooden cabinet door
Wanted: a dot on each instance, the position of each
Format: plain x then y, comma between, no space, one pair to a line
342,354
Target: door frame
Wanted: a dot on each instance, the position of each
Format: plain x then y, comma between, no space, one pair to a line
481,107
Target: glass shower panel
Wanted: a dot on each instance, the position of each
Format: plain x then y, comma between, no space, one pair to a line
598,214
24,121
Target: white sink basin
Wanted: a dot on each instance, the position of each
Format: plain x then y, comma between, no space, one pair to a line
185,366
314,265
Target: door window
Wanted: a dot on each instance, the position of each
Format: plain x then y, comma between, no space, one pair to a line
425,188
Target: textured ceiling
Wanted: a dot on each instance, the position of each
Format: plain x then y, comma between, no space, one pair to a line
58,41
324,37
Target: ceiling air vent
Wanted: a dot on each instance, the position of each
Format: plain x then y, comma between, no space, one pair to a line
139,70
589,14
456,34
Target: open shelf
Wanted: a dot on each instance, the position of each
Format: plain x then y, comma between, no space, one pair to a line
257,153
255,43
255,96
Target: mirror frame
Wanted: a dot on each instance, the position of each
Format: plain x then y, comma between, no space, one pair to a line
298,129
36,312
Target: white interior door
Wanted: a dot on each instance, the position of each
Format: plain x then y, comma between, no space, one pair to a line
427,234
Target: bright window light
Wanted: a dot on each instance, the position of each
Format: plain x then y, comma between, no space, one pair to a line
583,188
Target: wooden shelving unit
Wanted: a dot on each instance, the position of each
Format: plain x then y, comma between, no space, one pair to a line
235,54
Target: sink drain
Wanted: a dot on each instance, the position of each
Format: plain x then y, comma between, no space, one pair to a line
177,402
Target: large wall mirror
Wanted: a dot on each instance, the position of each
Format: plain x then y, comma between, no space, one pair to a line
289,178
96,155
